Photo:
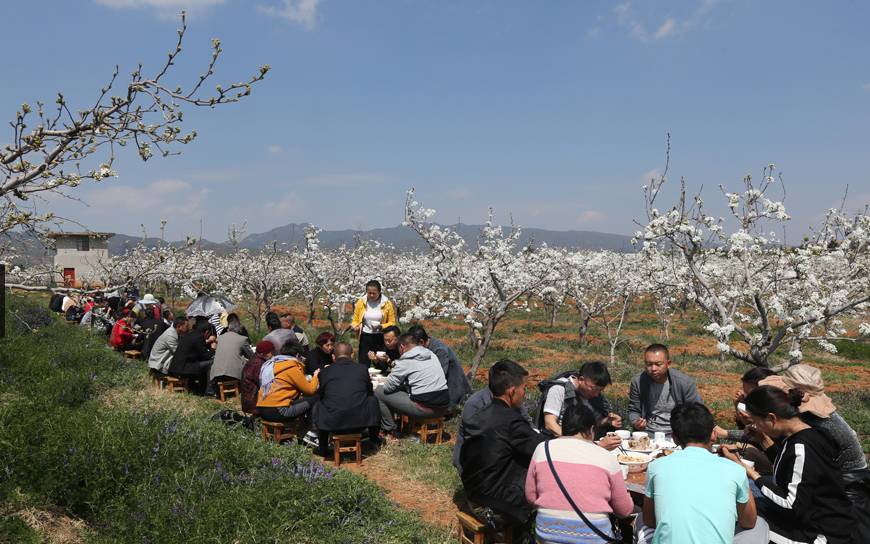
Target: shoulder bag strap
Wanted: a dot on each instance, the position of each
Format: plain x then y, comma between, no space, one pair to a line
579,512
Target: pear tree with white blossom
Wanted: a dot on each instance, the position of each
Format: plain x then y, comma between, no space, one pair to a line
760,294
487,281
55,148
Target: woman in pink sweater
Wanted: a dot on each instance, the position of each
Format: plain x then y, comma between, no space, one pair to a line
591,476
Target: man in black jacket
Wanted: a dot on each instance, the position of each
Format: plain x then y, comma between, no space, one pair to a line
194,356
495,457
347,401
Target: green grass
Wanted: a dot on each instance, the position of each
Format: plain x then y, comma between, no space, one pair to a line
854,406
14,530
853,350
428,463
76,439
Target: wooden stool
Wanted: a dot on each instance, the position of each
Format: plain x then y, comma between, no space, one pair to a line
132,354
175,385
226,387
158,380
276,431
428,427
473,531
353,445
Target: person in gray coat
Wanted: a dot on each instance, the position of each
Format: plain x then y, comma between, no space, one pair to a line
658,390
457,383
166,344
415,387
232,352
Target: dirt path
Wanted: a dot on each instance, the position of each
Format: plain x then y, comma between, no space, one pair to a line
432,503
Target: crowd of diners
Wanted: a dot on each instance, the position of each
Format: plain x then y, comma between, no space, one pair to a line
798,476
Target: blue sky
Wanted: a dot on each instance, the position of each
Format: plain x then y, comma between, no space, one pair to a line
554,112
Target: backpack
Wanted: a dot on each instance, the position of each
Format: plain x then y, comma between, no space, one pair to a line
55,304
234,420
545,385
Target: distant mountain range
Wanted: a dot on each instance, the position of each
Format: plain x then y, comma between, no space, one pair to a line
399,237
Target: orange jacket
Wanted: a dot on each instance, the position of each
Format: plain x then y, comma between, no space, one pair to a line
290,383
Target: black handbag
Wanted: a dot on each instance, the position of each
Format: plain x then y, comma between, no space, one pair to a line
617,539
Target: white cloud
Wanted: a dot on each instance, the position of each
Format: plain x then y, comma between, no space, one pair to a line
274,149
303,12
290,203
667,29
590,216
650,175
629,19
164,8
166,196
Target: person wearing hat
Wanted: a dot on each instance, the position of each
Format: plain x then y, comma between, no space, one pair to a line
818,411
263,351
803,501
149,305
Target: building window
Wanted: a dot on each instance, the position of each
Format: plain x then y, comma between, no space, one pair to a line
83,244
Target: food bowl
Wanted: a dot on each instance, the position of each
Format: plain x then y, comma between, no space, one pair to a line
636,462
623,434
374,372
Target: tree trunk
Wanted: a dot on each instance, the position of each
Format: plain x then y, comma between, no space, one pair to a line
488,330
553,309
473,340
311,313
582,339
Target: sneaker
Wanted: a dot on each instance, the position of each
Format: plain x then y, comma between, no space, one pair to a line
310,439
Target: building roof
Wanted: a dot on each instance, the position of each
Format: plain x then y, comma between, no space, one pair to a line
89,234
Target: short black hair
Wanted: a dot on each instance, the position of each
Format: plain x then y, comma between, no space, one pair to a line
691,422
597,372
420,333
393,329
272,321
755,375
292,348
179,321
505,374
409,339
578,418
658,348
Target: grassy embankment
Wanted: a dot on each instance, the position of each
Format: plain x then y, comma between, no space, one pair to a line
85,440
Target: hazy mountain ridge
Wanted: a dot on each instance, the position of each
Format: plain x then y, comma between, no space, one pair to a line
399,237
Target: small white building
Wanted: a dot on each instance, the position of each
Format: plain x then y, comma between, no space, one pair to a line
77,255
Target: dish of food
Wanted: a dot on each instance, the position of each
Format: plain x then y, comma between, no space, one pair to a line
636,462
640,444
627,458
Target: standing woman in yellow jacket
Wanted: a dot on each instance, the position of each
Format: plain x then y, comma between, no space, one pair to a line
371,315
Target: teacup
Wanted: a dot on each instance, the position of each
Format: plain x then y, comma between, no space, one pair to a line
638,435
623,434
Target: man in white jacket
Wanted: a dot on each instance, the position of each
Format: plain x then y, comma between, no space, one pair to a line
416,386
